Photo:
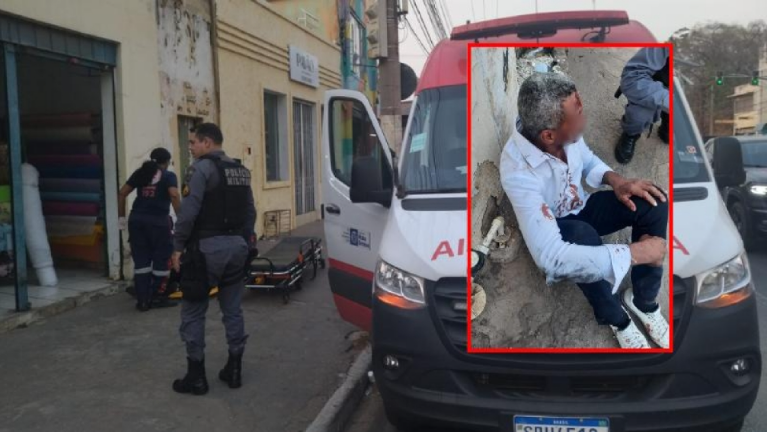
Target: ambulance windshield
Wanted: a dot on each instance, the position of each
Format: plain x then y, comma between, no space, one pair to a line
689,165
434,151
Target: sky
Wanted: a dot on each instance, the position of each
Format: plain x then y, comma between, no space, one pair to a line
662,17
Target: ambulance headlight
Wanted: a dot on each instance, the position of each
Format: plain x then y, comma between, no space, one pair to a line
759,190
725,285
399,288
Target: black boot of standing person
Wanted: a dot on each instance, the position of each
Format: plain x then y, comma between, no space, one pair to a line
232,372
195,381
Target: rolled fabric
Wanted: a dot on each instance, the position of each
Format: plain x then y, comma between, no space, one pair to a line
59,134
58,120
54,160
71,196
34,228
71,172
56,148
70,185
60,208
63,226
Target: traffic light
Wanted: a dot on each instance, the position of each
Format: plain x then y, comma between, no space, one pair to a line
755,78
719,78
376,30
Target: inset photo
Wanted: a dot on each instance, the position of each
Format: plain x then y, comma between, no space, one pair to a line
570,205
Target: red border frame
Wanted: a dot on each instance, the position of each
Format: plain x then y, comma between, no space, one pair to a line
472,350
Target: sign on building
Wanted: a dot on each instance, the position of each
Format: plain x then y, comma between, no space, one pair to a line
304,67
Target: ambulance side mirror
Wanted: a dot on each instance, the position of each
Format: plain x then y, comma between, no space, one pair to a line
728,162
371,181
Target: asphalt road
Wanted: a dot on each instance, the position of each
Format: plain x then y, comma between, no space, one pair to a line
370,416
106,367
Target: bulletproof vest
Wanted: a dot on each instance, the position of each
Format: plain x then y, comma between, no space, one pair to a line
662,75
222,211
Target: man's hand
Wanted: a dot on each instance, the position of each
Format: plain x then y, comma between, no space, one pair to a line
648,250
626,188
175,261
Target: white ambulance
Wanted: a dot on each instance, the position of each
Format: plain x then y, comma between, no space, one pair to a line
396,240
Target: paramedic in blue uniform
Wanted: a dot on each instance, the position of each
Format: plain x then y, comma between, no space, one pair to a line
217,216
149,226
644,82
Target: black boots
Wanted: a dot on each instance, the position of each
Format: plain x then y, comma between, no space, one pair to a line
142,306
663,129
194,382
624,151
232,372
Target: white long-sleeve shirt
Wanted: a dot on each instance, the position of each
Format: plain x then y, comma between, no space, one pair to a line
543,188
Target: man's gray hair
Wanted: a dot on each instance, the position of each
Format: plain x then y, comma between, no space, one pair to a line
540,102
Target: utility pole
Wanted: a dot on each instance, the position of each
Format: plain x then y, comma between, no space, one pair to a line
389,80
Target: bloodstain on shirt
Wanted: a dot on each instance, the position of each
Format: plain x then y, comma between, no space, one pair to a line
546,212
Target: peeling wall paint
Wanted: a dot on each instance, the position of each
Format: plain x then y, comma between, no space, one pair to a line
187,85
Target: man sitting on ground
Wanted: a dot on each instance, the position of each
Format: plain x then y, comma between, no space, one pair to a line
541,170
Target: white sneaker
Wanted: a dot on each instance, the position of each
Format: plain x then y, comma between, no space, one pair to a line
654,323
630,337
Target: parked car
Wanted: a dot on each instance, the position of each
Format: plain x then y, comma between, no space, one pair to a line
747,201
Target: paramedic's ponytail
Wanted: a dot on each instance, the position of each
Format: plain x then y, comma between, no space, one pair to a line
148,170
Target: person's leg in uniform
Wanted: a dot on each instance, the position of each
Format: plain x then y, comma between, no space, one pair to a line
162,250
636,120
141,251
230,299
664,127
607,215
607,307
192,331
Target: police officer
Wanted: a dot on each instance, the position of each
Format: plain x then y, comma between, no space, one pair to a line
644,81
217,216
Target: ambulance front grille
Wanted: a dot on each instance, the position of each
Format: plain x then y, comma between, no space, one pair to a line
448,302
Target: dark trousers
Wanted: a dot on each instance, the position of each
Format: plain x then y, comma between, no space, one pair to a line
604,215
225,259
151,247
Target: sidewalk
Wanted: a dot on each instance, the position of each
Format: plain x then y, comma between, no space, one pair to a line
105,366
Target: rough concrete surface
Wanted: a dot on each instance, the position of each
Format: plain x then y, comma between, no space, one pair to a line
106,367
522,311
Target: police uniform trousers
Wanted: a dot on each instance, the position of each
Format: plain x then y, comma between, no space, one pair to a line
225,258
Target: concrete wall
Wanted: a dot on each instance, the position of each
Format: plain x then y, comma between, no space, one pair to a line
319,17
493,110
187,84
253,40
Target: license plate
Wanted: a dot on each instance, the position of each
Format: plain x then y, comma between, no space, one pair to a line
560,424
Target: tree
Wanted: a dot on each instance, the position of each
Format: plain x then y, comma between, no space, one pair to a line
732,49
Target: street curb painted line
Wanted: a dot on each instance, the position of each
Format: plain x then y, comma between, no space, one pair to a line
340,407
24,319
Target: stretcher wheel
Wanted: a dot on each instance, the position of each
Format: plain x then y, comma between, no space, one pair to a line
314,269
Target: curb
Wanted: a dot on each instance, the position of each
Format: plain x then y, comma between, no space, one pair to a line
25,319
341,405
